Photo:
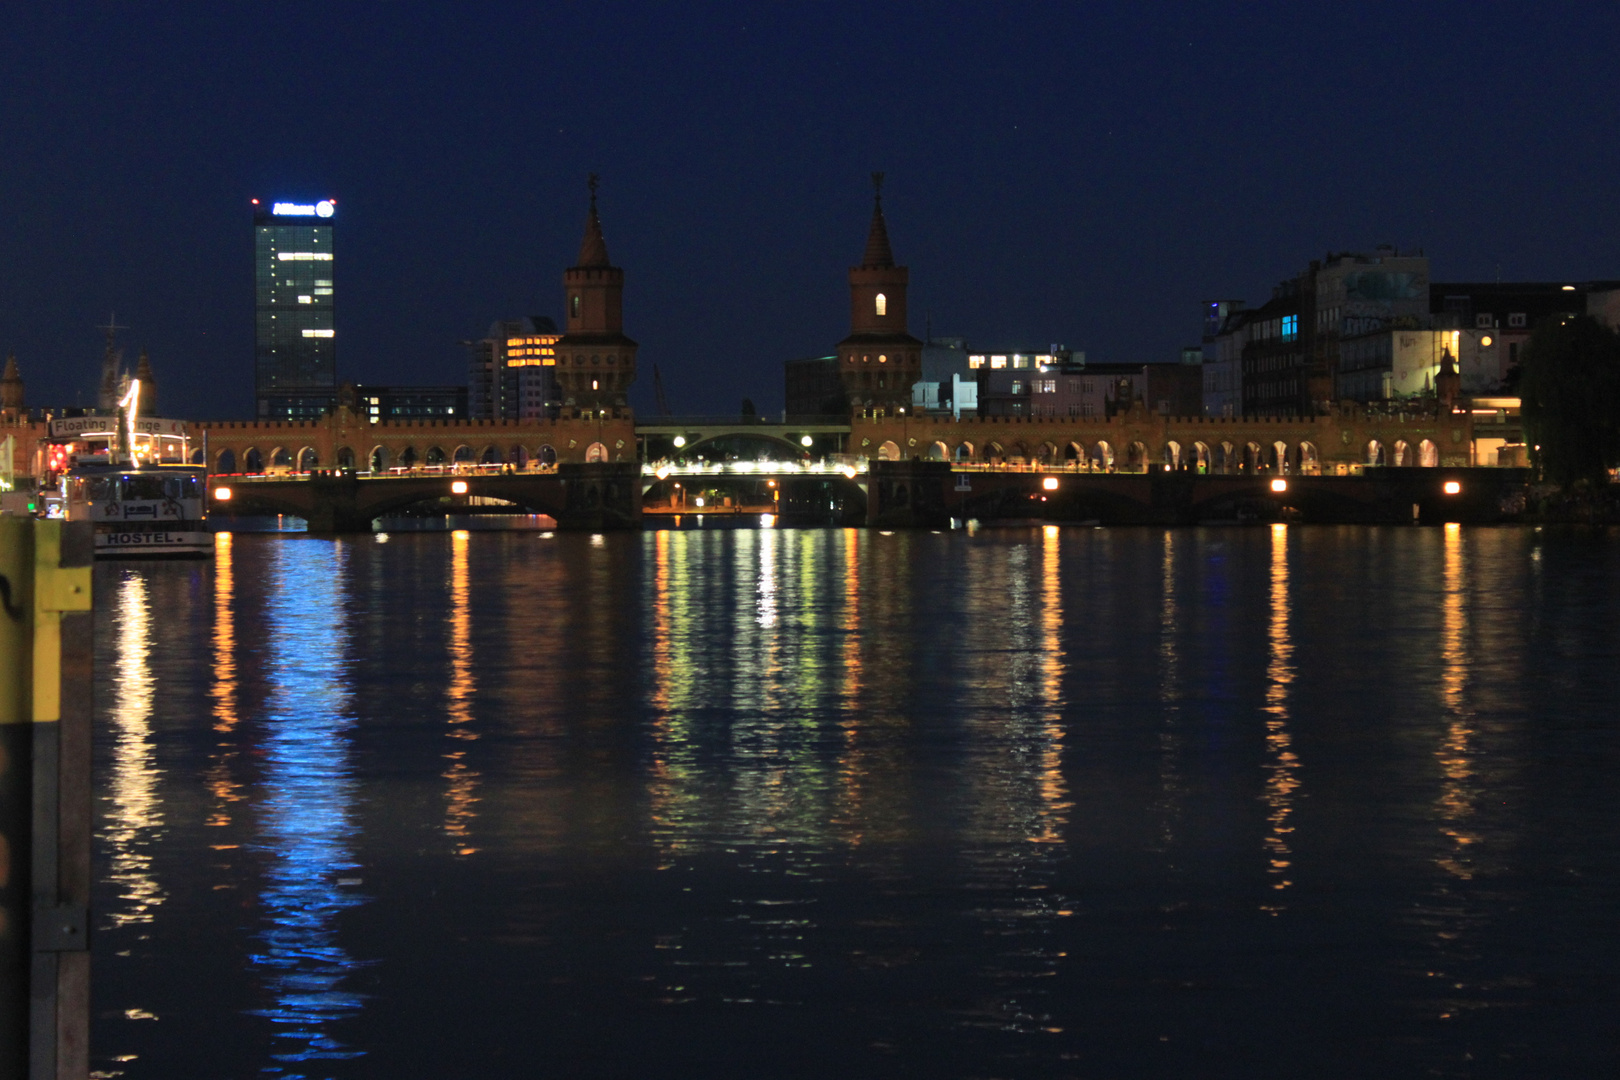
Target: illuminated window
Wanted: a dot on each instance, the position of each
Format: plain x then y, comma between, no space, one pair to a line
306,299
575,302
998,361
882,304
1516,319
975,361
882,359
1290,327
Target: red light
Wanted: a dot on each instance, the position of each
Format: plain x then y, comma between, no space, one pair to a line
255,202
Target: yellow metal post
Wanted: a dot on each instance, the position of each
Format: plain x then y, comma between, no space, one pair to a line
45,656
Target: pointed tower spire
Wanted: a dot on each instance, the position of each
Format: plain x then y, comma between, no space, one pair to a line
593,249
11,387
596,363
878,252
143,373
1448,384
879,361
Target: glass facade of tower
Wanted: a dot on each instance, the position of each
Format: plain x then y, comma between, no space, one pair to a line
295,345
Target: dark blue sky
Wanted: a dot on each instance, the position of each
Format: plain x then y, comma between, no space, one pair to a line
1084,173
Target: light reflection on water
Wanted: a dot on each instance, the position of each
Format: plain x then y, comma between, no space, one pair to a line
832,802
134,819
305,817
1282,780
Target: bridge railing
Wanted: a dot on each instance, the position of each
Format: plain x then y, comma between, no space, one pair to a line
397,472
778,420
831,465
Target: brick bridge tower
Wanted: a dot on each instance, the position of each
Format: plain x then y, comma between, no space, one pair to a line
596,363
879,360
11,391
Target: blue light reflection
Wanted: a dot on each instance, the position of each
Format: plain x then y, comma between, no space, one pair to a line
306,824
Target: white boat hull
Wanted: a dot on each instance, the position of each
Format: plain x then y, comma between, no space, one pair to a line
127,543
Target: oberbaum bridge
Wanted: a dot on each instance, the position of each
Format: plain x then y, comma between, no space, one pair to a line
596,466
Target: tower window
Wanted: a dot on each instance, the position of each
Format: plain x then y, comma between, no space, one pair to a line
882,304
883,359
576,306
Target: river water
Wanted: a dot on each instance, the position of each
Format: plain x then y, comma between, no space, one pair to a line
1246,802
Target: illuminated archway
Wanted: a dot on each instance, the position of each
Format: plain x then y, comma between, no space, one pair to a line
1310,462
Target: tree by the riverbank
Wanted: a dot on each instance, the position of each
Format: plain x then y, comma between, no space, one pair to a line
1570,387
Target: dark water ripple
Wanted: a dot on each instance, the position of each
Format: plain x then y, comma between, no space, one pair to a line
1240,802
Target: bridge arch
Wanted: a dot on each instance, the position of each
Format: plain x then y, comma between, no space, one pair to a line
1201,457
1227,459
1253,457
993,453
938,451
462,455
252,460
518,456
1046,453
280,458
408,457
1375,452
226,461
345,457
547,454
1136,456
378,459
1403,453
308,459
596,452
490,456
435,456
889,451
1310,462
1428,454
1279,456
1102,456
964,451
1172,455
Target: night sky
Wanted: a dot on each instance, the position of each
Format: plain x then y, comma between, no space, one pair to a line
1080,173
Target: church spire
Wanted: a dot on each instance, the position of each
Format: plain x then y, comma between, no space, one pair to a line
11,387
878,252
593,249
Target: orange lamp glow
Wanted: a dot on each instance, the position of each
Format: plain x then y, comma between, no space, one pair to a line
1453,488
1279,485
458,487
1050,483
222,494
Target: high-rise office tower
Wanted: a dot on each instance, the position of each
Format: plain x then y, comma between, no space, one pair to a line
295,347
